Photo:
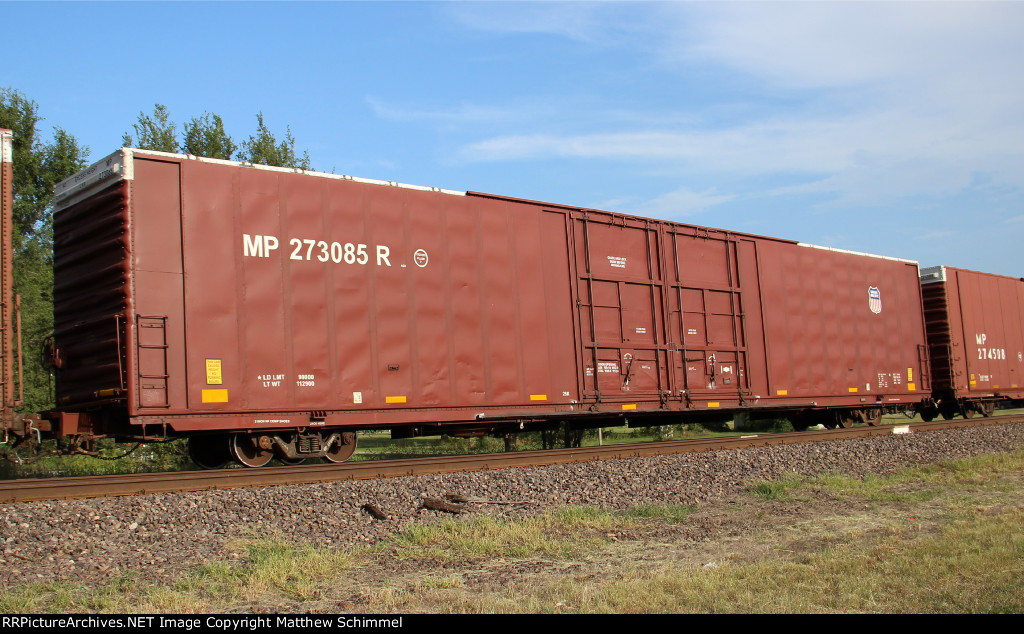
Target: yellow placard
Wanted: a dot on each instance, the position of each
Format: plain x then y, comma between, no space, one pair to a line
911,387
629,406
394,399
852,390
538,397
215,396
214,376
781,392
713,404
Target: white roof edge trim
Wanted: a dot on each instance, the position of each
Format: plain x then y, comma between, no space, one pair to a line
869,255
6,146
933,274
293,170
110,169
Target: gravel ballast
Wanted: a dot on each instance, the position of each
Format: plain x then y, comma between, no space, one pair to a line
161,535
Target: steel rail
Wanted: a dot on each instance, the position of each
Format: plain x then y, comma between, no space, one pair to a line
38,489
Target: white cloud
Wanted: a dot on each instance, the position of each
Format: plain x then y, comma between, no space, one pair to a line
767,146
586,22
892,99
819,44
679,203
864,102
881,145
935,235
465,112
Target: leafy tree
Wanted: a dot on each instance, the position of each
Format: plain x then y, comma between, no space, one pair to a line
19,114
38,166
205,136
263,148
154,133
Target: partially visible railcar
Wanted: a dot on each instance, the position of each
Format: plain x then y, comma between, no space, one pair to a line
267,311
975,325
9,398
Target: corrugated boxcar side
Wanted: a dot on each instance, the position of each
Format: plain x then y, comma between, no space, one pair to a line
840,324
91,264
306,293
711,319
975,324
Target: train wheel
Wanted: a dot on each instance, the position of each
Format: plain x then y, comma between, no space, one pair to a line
845,418
209,452
246,449
342,452
928,415
872,416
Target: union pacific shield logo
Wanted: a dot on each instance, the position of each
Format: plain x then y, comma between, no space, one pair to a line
874,299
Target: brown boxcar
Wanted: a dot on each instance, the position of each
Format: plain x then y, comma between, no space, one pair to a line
975,327
279,310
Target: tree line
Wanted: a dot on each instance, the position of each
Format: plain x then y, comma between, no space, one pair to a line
40,163
205,136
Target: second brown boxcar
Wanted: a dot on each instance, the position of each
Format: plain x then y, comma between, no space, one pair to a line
265,311
975,327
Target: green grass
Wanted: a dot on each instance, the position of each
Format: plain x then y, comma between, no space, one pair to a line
972,566
670,513
114,459
565,533
270,567
777,489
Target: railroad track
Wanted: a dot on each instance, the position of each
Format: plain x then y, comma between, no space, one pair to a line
36,489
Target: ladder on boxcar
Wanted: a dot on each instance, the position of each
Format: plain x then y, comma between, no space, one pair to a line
151,342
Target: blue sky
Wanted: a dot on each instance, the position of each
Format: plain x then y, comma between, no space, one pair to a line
882,127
